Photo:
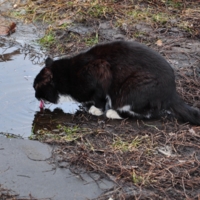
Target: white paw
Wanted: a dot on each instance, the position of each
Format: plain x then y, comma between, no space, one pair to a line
112,114
95,111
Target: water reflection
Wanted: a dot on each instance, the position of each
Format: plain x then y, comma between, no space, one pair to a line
49,119
8,56
18,68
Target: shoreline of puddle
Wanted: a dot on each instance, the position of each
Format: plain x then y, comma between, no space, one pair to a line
21,59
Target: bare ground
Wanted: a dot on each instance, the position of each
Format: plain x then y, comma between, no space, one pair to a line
151,159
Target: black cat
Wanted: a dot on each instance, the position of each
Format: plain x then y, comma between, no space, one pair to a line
121,79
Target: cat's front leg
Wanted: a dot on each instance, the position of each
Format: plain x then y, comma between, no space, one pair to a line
95,111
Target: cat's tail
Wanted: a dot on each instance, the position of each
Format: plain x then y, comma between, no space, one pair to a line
184,112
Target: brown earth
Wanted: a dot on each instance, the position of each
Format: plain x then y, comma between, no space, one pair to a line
156,159
6,26
151,159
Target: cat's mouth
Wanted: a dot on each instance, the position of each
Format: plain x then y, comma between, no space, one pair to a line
42,103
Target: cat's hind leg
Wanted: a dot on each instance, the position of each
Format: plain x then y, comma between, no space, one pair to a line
113,114
126,112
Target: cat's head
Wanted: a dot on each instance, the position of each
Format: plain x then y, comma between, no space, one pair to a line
44,85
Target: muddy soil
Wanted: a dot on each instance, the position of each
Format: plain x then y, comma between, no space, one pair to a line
151,159
148,159
156,159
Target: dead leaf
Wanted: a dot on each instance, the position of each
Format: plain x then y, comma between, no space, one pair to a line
6,26
159,43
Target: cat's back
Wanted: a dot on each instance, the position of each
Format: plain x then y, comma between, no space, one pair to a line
122,47
131,54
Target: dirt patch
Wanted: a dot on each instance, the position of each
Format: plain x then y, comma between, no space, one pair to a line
146,159
144,21
6,194
6,27
154,159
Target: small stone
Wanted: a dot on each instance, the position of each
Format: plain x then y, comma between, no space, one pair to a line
56,130
119,36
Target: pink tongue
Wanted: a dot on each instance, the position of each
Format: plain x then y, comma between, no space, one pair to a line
41,104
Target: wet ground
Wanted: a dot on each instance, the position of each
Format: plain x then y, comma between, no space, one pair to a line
146,159
21,59
25,167
143,159
26,171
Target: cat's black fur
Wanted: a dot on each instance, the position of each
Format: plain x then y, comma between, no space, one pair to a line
128,72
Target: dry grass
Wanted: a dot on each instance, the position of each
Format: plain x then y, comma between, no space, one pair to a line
157,159
6,194
59,16
161,158
146,159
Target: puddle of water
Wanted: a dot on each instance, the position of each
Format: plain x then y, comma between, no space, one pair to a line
17,96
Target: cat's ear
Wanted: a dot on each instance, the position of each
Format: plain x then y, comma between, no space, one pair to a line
48,62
